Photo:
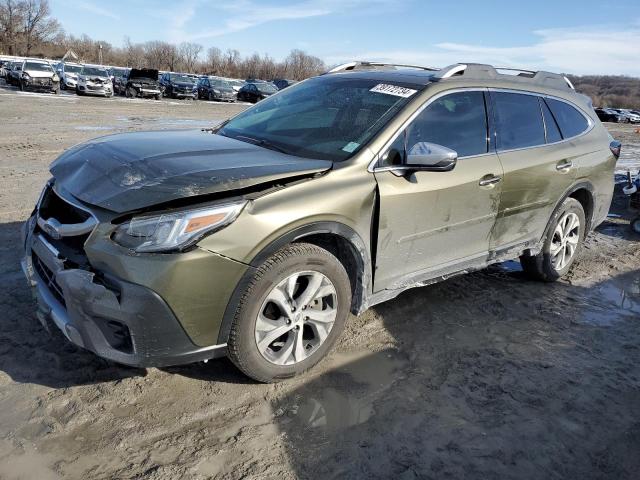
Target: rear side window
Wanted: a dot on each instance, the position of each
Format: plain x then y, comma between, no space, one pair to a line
553,132
457,121
518,120
570,120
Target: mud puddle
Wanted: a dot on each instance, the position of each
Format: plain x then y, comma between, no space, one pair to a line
613,301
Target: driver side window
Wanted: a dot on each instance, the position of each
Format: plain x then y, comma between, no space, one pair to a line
457,121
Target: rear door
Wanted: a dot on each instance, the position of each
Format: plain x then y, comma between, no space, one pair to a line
433,222
537,164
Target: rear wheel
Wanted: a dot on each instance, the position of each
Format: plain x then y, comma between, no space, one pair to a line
635,225
562,243
290,315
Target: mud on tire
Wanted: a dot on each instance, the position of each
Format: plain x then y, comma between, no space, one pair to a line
541,266
291,259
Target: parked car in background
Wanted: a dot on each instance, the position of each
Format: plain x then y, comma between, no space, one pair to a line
623,115
143,82
13,74
214,88
68,73
94,80
606,115
119,79
630,115
178,85
282,83
38,75
255,91
5,66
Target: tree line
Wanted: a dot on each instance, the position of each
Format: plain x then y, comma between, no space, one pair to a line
28,29
610,90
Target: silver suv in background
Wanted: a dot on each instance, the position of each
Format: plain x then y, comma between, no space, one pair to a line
94,80
68,73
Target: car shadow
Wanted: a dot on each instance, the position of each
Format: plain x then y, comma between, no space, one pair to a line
491,376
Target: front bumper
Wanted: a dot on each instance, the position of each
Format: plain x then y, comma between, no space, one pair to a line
42,85
115,319
96,90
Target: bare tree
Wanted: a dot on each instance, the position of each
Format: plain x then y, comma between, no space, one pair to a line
214,61
11,19
188,53
38,27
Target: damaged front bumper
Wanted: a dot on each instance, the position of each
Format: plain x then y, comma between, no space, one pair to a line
115,319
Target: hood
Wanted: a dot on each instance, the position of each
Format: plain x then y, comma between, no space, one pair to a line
143,73
94,79
133,171
38,74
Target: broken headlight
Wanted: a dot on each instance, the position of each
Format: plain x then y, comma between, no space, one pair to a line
175,230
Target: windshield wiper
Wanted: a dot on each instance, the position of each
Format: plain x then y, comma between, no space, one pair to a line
261,143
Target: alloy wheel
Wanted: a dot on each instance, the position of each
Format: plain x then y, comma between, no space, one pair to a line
565,240
296,318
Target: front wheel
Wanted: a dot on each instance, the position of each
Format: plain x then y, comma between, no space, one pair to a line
635,225
562,243
291,313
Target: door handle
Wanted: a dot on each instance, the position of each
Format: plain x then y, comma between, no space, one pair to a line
564,166
489,180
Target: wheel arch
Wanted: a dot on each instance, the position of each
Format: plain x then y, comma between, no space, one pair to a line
339,239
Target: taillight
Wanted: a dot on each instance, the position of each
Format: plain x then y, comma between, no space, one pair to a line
615,147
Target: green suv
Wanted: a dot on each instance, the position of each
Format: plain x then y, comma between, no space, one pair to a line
257,239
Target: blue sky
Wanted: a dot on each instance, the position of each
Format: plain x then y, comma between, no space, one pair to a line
571,36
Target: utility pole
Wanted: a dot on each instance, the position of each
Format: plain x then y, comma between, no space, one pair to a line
99,54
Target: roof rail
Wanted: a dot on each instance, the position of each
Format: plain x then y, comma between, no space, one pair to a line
481,71
361,65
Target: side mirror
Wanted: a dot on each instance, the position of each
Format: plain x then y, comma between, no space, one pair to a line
431,157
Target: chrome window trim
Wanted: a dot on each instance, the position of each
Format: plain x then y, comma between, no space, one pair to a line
414,115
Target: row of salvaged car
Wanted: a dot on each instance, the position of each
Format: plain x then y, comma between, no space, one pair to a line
36,74
618,115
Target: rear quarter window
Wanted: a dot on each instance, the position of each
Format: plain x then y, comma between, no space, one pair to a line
518,120
569,119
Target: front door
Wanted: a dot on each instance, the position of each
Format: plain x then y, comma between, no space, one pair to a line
432,223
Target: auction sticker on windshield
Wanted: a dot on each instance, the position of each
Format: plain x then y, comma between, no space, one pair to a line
393,90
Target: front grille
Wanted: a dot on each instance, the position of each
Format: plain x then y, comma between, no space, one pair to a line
71,248
48,277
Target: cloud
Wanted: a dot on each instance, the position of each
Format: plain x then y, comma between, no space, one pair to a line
95,9
586,50
239,15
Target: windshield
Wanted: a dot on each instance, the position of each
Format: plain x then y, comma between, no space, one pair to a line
266,87
220,84
181,78
328,117
72,68
94,72
38,67
118,72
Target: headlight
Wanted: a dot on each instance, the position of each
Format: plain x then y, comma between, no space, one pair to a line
55,78
217,92
26,76
174,231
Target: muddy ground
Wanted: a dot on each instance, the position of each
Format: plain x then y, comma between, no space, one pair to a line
487,375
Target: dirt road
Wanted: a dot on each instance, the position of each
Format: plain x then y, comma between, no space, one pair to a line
487,375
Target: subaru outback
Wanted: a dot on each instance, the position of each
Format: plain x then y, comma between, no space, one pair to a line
256,239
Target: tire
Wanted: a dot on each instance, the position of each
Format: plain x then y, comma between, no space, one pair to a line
21,86
130,92
157,97
547,266
305,263
56,90
635,225
211,97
